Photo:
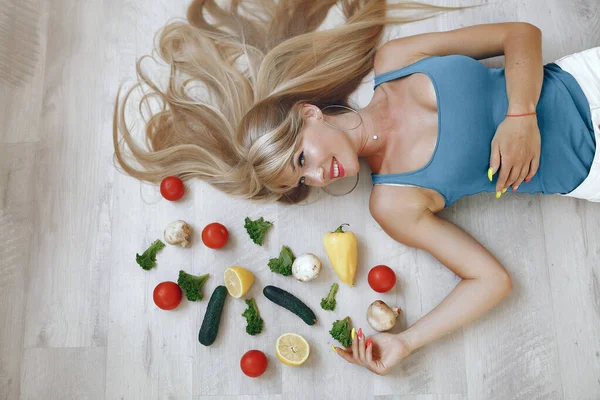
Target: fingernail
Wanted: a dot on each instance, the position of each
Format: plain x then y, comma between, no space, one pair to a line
515,189
360,334
352,333
369,342
504,190
490,174
527,180
498,194
334,350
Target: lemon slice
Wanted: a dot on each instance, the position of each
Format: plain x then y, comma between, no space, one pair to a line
292,349
237,281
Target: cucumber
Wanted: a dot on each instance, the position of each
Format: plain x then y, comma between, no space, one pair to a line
290,302
210,324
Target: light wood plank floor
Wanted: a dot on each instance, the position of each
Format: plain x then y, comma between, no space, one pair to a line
77,320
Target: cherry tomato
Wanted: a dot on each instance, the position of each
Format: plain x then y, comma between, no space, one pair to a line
167,295
215,235
382,278
172,188
253,363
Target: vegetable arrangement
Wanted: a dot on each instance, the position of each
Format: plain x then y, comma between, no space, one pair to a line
291,349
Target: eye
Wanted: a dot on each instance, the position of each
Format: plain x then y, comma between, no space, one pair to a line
301,164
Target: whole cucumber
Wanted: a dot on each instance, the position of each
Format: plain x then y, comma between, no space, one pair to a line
290,302
210,324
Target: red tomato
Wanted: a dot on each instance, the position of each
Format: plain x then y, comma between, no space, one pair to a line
215,235
167,295
382,278
172,188
253,363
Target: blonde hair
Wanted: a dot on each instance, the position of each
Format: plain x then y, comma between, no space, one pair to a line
258,62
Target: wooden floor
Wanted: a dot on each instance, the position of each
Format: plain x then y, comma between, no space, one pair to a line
77,320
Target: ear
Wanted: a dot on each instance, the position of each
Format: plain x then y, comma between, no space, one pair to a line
311,112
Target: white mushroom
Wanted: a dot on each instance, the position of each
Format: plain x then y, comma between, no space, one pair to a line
306,267
178,232
382,317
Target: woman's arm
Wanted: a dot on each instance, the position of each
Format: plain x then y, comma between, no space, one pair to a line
516,146
477,41
524,69
484,283
484,280
517,143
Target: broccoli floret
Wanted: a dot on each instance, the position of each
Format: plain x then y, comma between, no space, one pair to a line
192,285
257,229
254,322
328,303
283,264
341,330
148,259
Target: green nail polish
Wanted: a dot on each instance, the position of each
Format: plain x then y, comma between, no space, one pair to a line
498,194
490,174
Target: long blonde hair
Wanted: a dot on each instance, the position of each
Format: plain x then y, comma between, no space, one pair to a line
257,63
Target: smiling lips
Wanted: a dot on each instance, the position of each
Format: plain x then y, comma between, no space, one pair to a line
336,170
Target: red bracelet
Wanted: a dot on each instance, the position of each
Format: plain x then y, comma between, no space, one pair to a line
521,115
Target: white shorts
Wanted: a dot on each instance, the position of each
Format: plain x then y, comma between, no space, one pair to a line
585,68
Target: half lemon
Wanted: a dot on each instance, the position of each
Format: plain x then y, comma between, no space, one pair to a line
237,281
292,349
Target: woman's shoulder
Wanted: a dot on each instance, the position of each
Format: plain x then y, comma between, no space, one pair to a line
391,58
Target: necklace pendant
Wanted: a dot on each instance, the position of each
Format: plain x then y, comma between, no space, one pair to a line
374,137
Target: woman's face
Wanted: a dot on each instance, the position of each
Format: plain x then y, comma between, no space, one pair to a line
325,154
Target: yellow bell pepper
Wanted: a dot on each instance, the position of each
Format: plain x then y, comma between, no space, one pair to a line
342,250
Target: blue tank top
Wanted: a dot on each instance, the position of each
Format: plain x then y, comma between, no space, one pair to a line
472,102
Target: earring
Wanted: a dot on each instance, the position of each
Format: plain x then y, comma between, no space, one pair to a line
375,137
340,187
346,108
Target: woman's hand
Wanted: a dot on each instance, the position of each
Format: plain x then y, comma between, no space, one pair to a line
379,353
515,151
